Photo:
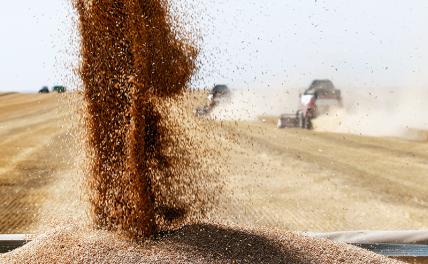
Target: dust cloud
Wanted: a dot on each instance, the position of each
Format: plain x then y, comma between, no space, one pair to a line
397,112
250,104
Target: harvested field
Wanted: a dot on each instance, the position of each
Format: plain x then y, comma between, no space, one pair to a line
359,182
33,154
271,175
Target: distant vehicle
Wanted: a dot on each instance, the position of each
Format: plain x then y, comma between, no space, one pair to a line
59,89
217,94
44,89
316,100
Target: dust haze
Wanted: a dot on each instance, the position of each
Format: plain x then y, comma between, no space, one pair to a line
394,112
375,111
249,104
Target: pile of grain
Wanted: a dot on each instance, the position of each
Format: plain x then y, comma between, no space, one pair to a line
202,243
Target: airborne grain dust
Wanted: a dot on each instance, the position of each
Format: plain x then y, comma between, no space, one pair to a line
143,172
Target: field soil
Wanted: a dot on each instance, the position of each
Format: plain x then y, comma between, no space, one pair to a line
288,179
38,179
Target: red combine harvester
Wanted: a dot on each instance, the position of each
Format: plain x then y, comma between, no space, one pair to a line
315,101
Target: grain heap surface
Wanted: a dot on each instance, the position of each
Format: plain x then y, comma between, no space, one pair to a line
201,243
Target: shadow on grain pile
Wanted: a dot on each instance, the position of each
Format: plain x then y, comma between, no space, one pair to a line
196,243
145,173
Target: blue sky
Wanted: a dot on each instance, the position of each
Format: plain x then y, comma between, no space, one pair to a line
247,43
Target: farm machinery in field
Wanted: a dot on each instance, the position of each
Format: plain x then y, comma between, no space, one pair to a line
216,95
315,101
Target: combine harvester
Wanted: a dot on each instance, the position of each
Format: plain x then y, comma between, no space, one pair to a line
317,100
218,94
